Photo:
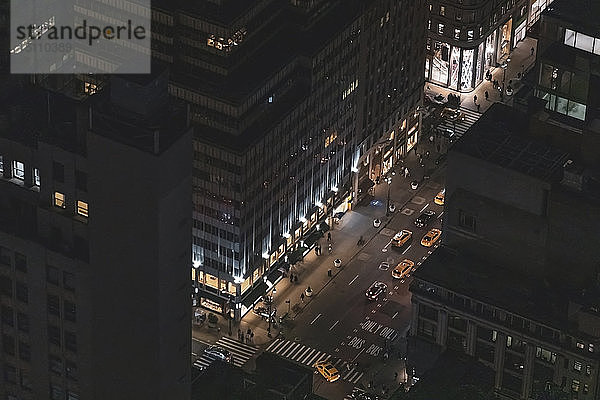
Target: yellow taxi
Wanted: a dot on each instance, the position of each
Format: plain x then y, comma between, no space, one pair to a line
439,198
328,371
403,269
401,238
431,237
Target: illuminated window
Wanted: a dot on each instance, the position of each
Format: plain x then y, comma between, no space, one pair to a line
90,88
442,10
36,177
441,29
1,165
18,170
82,208
575,385
577,366
59,200
470,34
329,139
429,25
456,33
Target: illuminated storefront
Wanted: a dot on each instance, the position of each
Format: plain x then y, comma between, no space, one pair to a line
453,67
535,10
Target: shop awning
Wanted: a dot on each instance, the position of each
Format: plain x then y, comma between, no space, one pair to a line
259,290
274,276
312,238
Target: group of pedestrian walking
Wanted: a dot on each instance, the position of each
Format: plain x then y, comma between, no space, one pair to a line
248,338
293,278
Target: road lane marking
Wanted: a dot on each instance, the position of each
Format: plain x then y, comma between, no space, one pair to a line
316,318
440,216
424,257
423,209
202,341
407,249
351,282
194,354
333,326
394,316
429,252
354,359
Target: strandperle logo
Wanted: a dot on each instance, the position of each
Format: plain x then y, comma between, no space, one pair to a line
80,36
89,33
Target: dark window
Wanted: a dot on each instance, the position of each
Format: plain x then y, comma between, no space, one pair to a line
69,281
20,262
52,275
4,256
82,250
71,370
54,335
70,311
22,292
24,351
53,305
467,220
8,344
6,286
55,364
7,316
81,180
10,373
71,341
23,322
58,171
25,382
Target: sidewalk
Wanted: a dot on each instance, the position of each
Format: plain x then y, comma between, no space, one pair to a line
521,61
312,271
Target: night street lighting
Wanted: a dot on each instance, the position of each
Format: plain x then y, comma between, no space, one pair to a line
504,68
270,308
388,180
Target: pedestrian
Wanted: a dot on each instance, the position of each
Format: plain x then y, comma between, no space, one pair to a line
329,236
302,297
532,51
218,329
487,95
475,99
395,376
240,334
252,337
296,278
291,278
478,106
249,331
247,338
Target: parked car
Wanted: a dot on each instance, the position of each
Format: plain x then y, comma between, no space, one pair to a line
375,290
425,218
263,312
220,353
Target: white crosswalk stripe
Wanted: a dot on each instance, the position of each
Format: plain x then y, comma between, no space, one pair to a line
461,126
308,356
241,353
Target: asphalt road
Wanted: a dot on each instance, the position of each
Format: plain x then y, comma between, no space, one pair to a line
341,324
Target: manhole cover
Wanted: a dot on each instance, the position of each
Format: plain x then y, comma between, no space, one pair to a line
364,256
417,200
408,211
388,232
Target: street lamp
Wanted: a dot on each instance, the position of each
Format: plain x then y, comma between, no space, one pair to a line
504,68
334,190
270,308
229,314
388,180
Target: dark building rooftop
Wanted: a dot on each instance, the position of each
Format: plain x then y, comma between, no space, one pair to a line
581,13
499,137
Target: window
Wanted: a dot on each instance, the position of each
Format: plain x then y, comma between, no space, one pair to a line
591,348
20,262
1,165
25,382
59,200
81,180
53,305
55,364
71,370
18,170
71,341
467,220
575,385
588,370
580,345
442,10
8,344
441,29
545,355
23,322
52,275
58,171
10,373
7,316
82,208
429,25
72,395
6,286
456,33
577,366
22,292
470,34
69,281
70,311
584,42
56,392
54,335
586,389
36,177
4,256
24,351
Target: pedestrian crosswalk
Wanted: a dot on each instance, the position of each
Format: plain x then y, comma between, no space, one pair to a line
460,126
306,355
378,329
241,353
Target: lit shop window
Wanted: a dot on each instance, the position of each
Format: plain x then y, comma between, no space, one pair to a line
82,208
18,170
329,139
36,177
59,200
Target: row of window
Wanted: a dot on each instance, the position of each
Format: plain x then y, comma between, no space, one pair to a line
6,259
17,171
61,202
581,41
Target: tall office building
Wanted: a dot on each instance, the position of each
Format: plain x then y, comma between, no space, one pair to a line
94,238
296,105
467,38
516,284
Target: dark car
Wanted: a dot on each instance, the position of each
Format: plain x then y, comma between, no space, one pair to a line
263,312
425,218
220,353
375,290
